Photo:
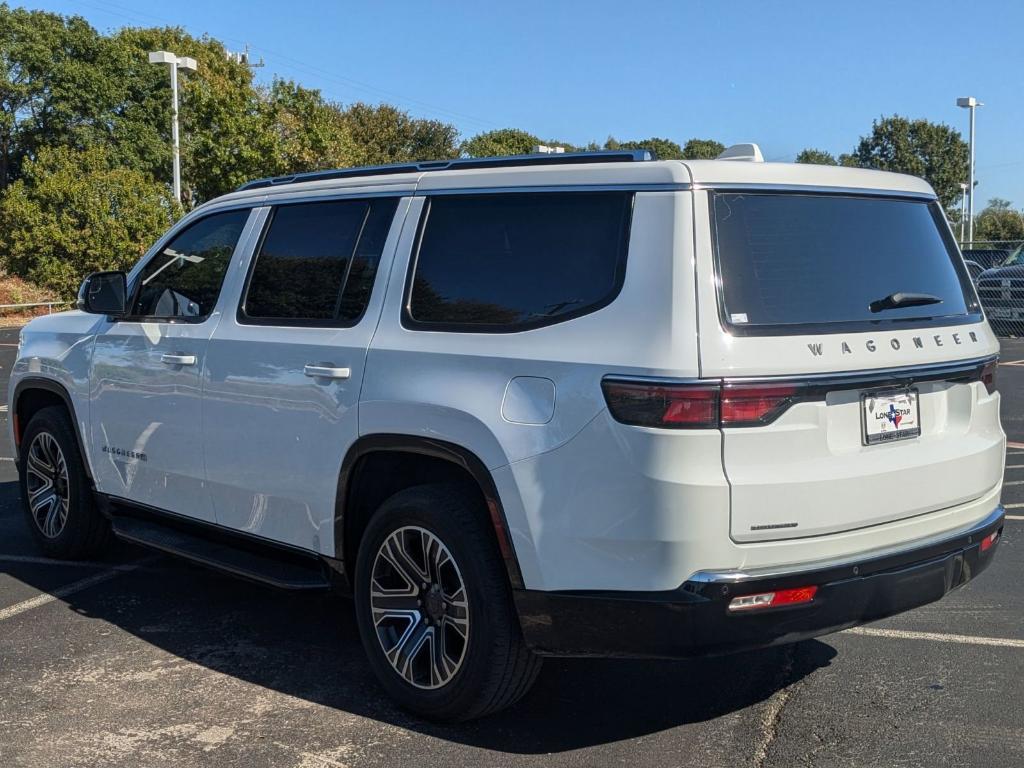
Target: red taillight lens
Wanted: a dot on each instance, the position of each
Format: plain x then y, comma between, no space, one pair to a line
988,376
750,405
697,406
655,405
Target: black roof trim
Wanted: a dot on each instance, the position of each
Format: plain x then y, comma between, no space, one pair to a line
459,164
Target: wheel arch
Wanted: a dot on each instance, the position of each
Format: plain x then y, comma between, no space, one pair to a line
34,393
350,516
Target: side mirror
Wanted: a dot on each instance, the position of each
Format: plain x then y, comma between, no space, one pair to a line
104,293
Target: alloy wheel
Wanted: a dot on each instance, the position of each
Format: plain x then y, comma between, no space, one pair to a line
47,484
420,607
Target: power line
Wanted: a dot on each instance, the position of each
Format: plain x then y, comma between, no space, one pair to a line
105,6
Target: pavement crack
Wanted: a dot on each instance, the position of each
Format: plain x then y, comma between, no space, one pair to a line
773,712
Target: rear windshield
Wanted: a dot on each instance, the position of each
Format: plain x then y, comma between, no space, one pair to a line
793,263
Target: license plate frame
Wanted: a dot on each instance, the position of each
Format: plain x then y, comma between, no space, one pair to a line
902,403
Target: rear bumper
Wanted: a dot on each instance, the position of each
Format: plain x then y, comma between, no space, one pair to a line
694,620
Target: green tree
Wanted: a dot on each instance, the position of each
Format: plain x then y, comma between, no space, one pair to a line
664,149
933,151
702,149
385,134
75,212
311,133
816,157
503,141
999,221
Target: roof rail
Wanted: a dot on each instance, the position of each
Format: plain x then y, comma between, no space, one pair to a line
459,164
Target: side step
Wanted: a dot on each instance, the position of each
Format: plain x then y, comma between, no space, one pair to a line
259,563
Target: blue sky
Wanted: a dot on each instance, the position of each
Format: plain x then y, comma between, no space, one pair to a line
787,75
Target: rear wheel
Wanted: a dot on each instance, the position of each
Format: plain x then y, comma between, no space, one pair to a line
434,607
55,491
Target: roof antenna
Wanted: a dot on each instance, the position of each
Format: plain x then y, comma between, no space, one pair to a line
748,152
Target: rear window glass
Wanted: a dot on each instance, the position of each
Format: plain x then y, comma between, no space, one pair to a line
792,263
506,262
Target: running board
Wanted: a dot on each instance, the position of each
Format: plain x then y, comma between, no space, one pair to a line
263,564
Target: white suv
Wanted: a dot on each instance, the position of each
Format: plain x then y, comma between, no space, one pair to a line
584,404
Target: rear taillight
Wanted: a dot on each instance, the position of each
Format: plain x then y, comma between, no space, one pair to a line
988,376
697,406
675,406
750,405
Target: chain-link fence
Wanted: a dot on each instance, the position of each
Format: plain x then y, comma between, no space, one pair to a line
997,269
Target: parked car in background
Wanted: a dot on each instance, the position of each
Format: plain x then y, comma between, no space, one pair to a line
1001,291
974,269
987,257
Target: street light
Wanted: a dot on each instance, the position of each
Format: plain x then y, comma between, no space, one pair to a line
969,102
963,210
174,63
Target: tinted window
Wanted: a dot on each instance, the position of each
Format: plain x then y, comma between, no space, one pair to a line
506,262
790,260
317,261
184,278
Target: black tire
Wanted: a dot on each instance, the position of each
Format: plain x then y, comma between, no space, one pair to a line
496,667
84,532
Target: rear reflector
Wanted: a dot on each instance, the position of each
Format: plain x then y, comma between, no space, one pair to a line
988,376
989,541
773,599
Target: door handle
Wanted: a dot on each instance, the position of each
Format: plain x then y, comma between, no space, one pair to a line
178,359
326,372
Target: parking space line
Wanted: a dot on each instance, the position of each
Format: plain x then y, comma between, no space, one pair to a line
61,592
901,634
33,560
1008,362
1013,482
1015,517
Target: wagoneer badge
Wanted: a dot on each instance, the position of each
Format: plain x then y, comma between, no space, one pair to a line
919,342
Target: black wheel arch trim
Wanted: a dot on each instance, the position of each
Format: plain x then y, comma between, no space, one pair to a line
54,387
438,449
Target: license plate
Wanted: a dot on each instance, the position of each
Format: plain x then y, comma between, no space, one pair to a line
889,416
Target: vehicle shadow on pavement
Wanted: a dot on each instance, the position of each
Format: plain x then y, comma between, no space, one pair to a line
308,647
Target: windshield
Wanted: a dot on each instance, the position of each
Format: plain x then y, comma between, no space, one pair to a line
792,263
1015,258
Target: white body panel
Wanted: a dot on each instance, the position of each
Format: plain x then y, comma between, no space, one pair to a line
590,503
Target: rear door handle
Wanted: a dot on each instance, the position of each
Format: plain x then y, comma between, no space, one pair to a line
178,359
326,372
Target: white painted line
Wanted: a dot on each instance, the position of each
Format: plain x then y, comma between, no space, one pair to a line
900,634
60,592
1014,466
1012,506
1015,517
1013,482
1012,444
1013,362
3,408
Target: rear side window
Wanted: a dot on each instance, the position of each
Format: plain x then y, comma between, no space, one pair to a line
509,262
792,263
317,261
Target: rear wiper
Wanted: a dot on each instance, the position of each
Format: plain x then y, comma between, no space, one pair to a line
902,299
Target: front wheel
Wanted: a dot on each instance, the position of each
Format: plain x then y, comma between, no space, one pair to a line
55,490
434,607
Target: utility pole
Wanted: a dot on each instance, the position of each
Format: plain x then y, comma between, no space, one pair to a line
243,57
174,63
971,103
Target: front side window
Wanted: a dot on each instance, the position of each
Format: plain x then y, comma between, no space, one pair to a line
317,262
183,280
509,262
794,263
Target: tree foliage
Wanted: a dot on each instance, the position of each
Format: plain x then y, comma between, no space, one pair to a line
386,134
933,151
663,149
75,212
816,157
998,221
702,149
503,141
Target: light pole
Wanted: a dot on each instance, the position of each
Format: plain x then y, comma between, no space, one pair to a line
963,212
174,63
971,103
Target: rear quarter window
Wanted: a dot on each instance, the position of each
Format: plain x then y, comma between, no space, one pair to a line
813,263
511,262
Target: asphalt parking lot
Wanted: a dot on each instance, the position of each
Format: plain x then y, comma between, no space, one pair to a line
145,661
